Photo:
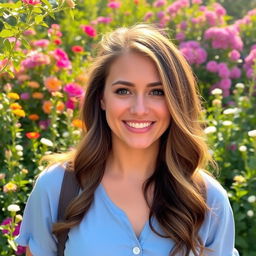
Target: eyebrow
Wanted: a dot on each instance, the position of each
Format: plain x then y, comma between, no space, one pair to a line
132,84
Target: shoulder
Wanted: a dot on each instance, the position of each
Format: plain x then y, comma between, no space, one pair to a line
216,194
50,179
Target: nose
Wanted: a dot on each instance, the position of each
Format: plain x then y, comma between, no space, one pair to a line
139,105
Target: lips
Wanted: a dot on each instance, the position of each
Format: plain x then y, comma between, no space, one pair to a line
138,126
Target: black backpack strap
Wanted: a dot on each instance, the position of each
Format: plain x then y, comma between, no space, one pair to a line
69,190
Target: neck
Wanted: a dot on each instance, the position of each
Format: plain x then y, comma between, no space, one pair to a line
131,165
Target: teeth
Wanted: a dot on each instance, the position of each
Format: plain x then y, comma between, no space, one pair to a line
139,125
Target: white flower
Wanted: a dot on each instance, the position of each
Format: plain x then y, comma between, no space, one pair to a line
230,111
19,147
46,142
210,129
76,132
252,133
65,134
250,213
242,148
251,199
216,91
40,167
20,153
239,86
227,123
1,106
13,208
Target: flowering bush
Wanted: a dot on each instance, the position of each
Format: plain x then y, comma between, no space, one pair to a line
44,77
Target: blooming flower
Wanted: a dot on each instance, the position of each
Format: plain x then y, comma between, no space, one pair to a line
9,187
239,179
70,104
33,117
104,20
73,90
234,55
19,112
251,199
227,123
52,84
250,213
13,95
33,84
15,106
47,106
231,111
32,135
114,5
25,95
44,124
216,91
212,66
242,148
31,2
210,129
239,86
43,43
37,95
35,59
13,208
61,58
46,142
77,123
159,3
89,30
235,72
77,48
252,133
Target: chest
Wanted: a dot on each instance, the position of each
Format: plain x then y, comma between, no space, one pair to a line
131,201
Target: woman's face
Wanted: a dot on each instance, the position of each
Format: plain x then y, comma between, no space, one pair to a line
134,102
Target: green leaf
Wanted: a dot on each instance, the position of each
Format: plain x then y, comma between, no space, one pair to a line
7,45
7,33
39,19
70,13
47,3
25,43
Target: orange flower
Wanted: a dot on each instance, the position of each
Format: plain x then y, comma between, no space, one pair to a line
47,106
13,95
52,84
33,135
60,106
77,123
33,84
19,112
15,106
33,117
37,95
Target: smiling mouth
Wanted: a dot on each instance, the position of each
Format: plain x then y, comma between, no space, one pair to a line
139,125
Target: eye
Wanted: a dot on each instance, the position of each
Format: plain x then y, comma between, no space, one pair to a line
122,91
157,92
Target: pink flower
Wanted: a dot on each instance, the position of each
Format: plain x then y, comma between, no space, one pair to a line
234,55
70,104
44,124
211,17
35,59
25,96
114,5
29,32
31,2
180,36
73,90
148,15
62,60
196,1
219,9
8,221
193,52
223,70
212,66
159,3
89,30
183,25
21,250
225,83
235,72
43,43
160,15
105,20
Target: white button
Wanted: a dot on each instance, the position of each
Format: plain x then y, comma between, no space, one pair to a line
136,250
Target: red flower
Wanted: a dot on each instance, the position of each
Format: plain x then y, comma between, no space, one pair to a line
57,41
89,30
77,48
33,135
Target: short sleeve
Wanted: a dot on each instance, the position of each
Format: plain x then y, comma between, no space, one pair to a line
40,213
221,230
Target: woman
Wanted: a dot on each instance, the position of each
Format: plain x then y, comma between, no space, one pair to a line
140,163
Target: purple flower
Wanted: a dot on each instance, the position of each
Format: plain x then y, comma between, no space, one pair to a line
225,83
114,5
73,90
44,124
8,221
159,3
234,55
160,15
180,36
25,96
148,15
211,17
20,250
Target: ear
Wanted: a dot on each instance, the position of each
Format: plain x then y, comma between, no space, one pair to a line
102,104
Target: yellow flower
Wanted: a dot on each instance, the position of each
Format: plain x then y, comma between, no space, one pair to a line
13,95
19,112
9,187
239,179
15,106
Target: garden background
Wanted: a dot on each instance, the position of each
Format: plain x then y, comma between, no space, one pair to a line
46,48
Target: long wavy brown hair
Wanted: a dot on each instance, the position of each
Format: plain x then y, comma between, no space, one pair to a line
179,199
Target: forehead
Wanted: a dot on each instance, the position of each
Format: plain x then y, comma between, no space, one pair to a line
133,66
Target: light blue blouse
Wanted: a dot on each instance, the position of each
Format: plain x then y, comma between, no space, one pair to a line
106,230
